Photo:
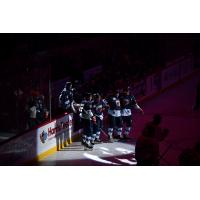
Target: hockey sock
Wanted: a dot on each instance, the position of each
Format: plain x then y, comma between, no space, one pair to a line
119,131
84,138
98,135
110,132
127,131
88,139
93,137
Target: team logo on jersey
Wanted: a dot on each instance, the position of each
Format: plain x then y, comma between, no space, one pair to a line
43,136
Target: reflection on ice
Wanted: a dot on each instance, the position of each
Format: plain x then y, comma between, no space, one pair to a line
127,161
104,148
124,151
96,158
107,153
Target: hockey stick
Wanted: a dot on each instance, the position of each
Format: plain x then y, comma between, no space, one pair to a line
104,132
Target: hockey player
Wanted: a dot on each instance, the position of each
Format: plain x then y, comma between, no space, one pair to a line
66,98
128,102
98,108
87,119
114,116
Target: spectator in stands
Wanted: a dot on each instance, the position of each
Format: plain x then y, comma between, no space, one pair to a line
42,112
36,111
31,114
19,95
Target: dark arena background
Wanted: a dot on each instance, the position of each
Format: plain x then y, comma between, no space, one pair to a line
160,70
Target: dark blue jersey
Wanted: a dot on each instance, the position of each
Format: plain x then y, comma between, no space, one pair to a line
87,110
114,102
66,98
98,108
127,101
87,105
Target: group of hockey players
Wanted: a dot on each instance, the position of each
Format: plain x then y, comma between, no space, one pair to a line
91,109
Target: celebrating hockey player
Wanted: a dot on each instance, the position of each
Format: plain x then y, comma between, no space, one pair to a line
66,98
98,108
128,102
87,119
114,116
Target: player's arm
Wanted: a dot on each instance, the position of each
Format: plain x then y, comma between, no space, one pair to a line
136,106
105,103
